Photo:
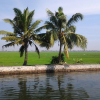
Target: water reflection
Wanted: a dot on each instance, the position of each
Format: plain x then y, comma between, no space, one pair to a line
52,86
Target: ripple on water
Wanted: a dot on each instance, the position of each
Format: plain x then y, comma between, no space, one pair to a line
51,86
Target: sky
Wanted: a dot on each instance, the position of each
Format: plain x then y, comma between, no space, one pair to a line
88,27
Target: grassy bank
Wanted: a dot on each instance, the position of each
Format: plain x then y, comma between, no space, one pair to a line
13,59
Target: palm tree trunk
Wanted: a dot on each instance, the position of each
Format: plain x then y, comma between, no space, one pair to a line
60,53
59,60
25,60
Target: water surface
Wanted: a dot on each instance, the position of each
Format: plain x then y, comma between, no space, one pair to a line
51,86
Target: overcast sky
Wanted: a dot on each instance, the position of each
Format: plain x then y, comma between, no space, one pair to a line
88,27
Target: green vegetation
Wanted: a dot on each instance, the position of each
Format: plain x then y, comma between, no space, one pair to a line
61,29
55,59
24,31
58,27
12,58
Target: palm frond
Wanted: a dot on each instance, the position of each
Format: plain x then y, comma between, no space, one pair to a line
21,50
25,19
10,38
20,41
55,36
26,12
60,9
34,25
66,51
70,29
44,44
69,43
9,44
51,40
40,36
49,25
17,12
19,17
62,18
29,18
25,35
8,21
37,50
43,40
53,20
78,40
40,28
20,20
16,29
7,33
50,13
30,42
46,39
82,41
75,18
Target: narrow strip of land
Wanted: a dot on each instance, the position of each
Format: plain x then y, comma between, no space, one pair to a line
47,68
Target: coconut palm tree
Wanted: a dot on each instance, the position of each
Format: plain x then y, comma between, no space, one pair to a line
24,31
61,29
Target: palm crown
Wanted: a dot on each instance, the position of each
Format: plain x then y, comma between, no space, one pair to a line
61,29
24,31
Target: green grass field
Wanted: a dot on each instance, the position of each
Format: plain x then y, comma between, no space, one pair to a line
13,58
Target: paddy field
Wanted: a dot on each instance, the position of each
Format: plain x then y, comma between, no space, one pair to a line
14,59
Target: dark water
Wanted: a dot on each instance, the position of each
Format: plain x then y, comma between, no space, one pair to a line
59,86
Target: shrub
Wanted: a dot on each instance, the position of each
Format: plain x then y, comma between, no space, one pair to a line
78,60
55,59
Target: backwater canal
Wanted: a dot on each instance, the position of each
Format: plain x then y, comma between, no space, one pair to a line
51,86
